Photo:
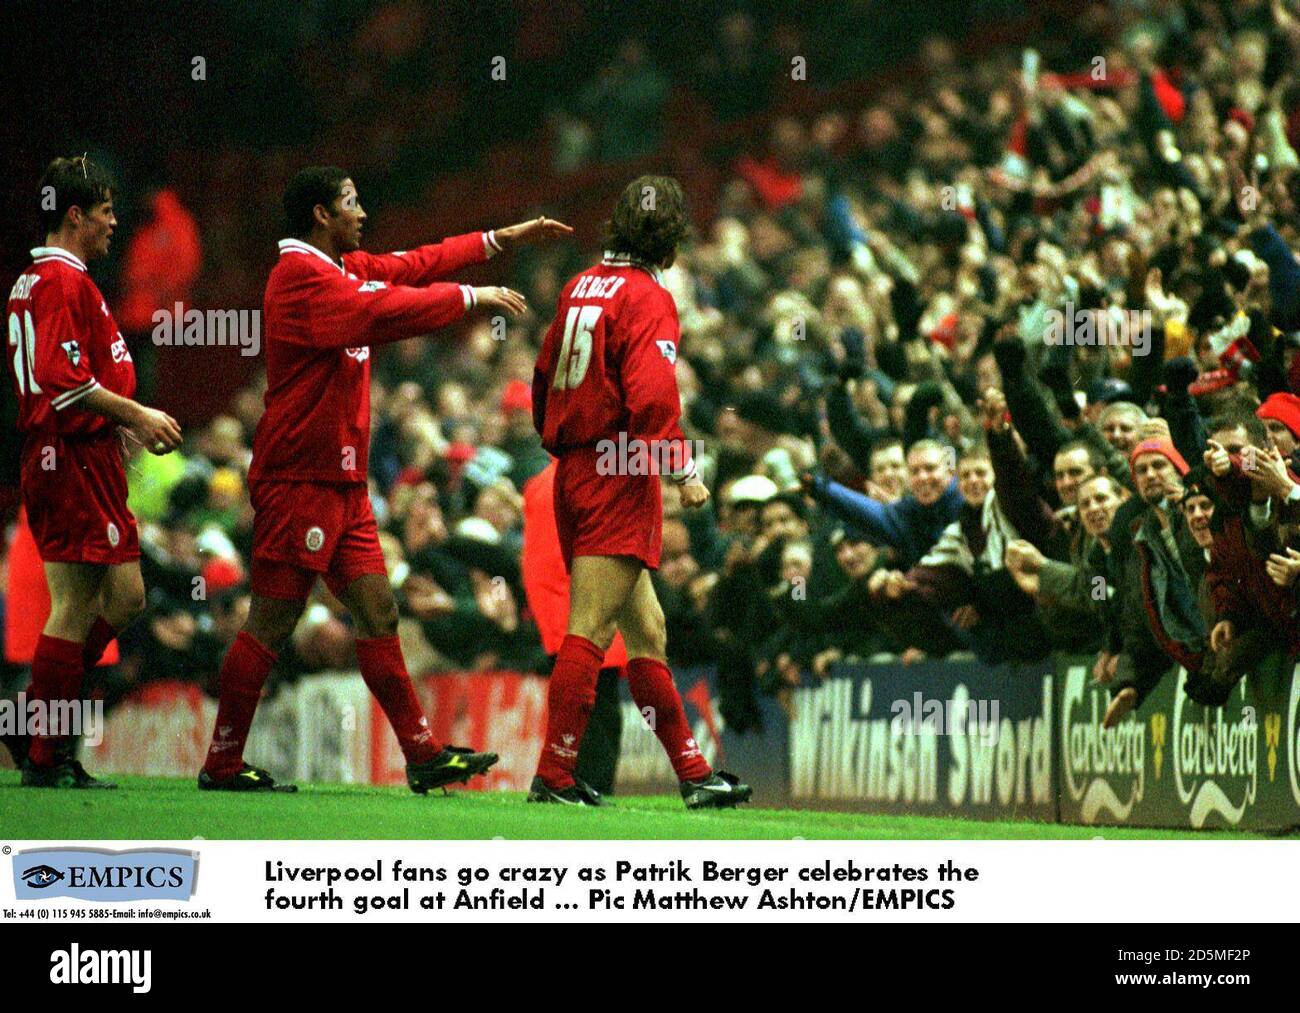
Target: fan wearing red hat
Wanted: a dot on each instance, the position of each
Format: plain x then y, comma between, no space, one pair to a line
1157,567
1281,416
1150,463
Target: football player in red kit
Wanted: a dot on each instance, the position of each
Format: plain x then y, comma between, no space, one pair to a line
74,379
605,401
326,304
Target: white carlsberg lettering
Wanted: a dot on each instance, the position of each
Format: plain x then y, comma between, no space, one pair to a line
1091,754
1213,749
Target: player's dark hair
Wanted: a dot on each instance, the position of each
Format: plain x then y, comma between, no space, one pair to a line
650,220
316,184
70,182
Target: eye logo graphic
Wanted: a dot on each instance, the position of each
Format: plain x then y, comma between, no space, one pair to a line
38,877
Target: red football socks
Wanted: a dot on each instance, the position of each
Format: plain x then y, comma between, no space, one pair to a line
384,671
569,698
57,673
651,685
243,673
97,640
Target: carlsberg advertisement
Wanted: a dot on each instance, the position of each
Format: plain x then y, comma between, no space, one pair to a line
1026,741
1174,763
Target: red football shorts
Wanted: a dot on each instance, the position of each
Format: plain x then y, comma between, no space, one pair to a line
606,515
305,530
74,489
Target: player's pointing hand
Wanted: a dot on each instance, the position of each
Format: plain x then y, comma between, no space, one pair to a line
499,297
538,230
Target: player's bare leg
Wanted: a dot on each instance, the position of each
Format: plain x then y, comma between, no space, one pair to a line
641,622
429,764
58,672
598,588
121,595
74,599
243,673
120,603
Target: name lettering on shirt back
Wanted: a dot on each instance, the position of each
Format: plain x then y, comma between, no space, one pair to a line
23,286
597,286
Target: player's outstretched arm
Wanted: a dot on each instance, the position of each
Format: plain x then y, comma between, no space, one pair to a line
536,230
423,265
435,261
347,313
155,430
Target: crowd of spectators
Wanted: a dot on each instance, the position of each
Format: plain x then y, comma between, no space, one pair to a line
1002,361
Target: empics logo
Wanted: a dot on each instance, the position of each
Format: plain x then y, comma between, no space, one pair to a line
75,966
41,877
104,875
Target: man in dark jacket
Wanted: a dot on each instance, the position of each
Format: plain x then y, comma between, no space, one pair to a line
1072,595
911,525
1155,568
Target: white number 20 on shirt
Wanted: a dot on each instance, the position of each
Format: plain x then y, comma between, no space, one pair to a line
575,349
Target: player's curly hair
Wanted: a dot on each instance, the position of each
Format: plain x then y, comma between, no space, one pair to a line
317,184
71,182
650,220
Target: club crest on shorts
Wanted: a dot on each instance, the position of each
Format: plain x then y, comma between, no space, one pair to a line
114,536
315,539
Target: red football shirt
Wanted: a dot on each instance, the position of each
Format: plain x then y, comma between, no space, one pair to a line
606,367
63,343
321,318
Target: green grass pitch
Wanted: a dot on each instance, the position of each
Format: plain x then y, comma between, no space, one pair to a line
170,809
